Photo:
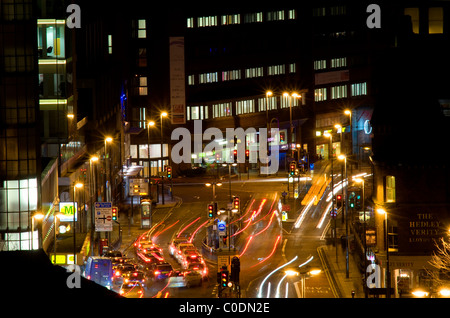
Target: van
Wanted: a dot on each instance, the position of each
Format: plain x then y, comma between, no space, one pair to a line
99,269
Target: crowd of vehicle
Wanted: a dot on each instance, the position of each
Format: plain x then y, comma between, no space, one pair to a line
131,276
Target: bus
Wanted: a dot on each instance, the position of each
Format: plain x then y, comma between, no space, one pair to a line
99,269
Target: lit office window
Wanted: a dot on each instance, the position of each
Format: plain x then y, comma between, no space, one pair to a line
262,102
339,91
142,118
319,12
292,68
142,31
275,15
414,14
245,106
208,78
359,89
231,75
320,94
320,64
143,85
276,69
254,72
338,62
222,110
435,20
231,19
338,10
206,21
191,79
109,44
390,189
285,100
292,14
253,17
190,22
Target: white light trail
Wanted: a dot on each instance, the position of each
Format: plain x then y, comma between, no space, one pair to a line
271,273
303,213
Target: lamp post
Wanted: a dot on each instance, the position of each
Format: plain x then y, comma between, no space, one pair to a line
343,157
77,185
107,189
92,192
151,123
38,216
229,176
361,180
305,274
163,114
348,112
328,135
55,216
291,127
388,273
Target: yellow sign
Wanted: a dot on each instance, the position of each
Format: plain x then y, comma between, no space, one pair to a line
67,210
60,259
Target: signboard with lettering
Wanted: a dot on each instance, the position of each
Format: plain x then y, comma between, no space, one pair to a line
103,216
67,210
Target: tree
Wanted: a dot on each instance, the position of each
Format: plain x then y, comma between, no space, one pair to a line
441,261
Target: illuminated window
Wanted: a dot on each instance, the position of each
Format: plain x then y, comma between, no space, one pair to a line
254,72
190,22
231,19
390,189
191,79
320,94
414,14
435,20
143,85
339,91
292,14
339,62
222,110
320,64
262,102
275,15
206,21
208,78
245,106
359,89
285,100
142,117
292,68
142,32
109,44
253,17
276,69
231,75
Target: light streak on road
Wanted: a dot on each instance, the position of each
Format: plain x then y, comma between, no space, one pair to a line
196,230
268,224
303,213
162,231
248,210
246,245
271,253
246,226
307,261
263,202
287,290
187,226
277,293
324,214
271,273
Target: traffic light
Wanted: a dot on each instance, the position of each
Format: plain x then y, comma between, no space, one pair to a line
115,213
235,270
358,201
210,210
169,172
247,155
339,201
292,167
236,203
224,277
235,155
282,136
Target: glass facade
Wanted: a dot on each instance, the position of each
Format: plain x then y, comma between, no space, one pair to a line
19,126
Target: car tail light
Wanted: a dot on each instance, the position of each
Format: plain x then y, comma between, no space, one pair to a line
117,273
157,273
135,274
89,277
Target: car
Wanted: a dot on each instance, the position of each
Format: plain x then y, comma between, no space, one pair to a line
190,256
192,278
151,257
182,247
113,255
132,290
199,268
180,278
134,276
121,272
162,271
175,242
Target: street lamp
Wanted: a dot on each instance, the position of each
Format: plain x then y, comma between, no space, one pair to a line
37,217
348,112
77,185
151,123
107,177
345,203
361,180
328,135
295,95
92,192
163,114
388,273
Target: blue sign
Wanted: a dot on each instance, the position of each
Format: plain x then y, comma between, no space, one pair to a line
221,226
103,205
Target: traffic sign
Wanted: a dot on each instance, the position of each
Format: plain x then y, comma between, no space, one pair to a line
333,213
222,228
103,216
